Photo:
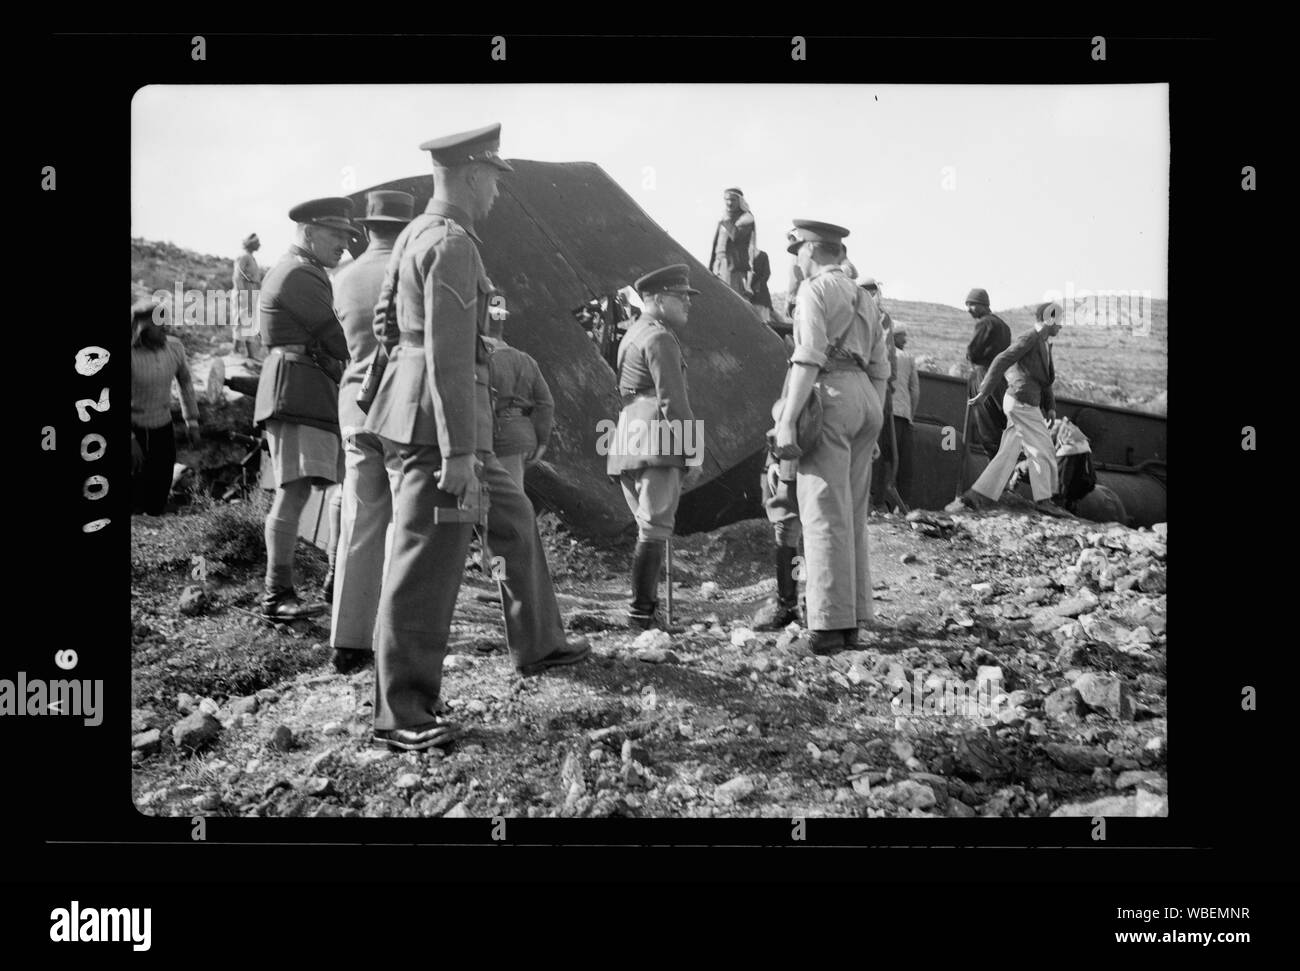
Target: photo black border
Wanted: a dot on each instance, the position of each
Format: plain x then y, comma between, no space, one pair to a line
79,585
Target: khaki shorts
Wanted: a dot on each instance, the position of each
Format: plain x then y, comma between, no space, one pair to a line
304,452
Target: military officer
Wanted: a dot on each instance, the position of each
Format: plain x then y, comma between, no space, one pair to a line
649,456
433,406
524,406
297,393
370,470
839,346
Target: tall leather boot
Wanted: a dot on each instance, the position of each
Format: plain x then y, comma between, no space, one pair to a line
782,609
647,564
281,602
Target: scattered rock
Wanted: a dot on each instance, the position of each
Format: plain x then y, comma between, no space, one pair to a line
1081,603
320,786
334,728
736,790
979,755
655,655
246,706
282,739
147,742
741,636
407,780
708,590
372,755
1104,692
1152,580
458,811
633,752
908,558
1131,778
652,640
186,704
196,731
193,601
1076,758
269,695
905,794
1105,806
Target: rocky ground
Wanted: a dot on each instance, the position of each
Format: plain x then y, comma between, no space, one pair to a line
1064,620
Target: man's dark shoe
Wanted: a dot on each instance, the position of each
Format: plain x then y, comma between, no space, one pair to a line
775,614
440,733
784,607
1049,508
968,501
574,652
349,659
327,586
285,605
655,619
827,641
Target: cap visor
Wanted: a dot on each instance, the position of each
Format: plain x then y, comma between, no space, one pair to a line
503,165
383,220
794,247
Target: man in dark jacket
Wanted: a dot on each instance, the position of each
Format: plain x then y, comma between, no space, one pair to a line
297,392
992,336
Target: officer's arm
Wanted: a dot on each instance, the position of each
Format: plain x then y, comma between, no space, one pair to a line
1004,360
543,405
809,351
384,324
880,367
308,296
450,274
664,360
914,388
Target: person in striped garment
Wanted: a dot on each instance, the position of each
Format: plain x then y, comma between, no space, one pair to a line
157,359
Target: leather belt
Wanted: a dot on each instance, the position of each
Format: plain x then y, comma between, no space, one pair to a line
411,338
514,412
842,364
290,352
631,396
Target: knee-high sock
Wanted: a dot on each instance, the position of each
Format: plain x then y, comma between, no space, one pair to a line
281,539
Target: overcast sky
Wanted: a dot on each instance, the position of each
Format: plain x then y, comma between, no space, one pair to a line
1019,189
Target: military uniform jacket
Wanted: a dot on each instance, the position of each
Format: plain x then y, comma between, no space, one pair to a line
652,383
297,307
435,391
356,288
522,402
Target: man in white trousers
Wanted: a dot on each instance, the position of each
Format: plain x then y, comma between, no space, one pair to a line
1030,406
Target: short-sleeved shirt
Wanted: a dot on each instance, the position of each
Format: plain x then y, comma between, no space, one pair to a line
825,309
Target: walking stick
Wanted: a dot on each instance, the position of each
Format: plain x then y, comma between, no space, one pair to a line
965,450
668,557
890,491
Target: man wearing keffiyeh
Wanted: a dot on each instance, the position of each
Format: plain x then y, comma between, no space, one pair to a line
735,244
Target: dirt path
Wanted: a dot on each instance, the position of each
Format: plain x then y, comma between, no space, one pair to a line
717,722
